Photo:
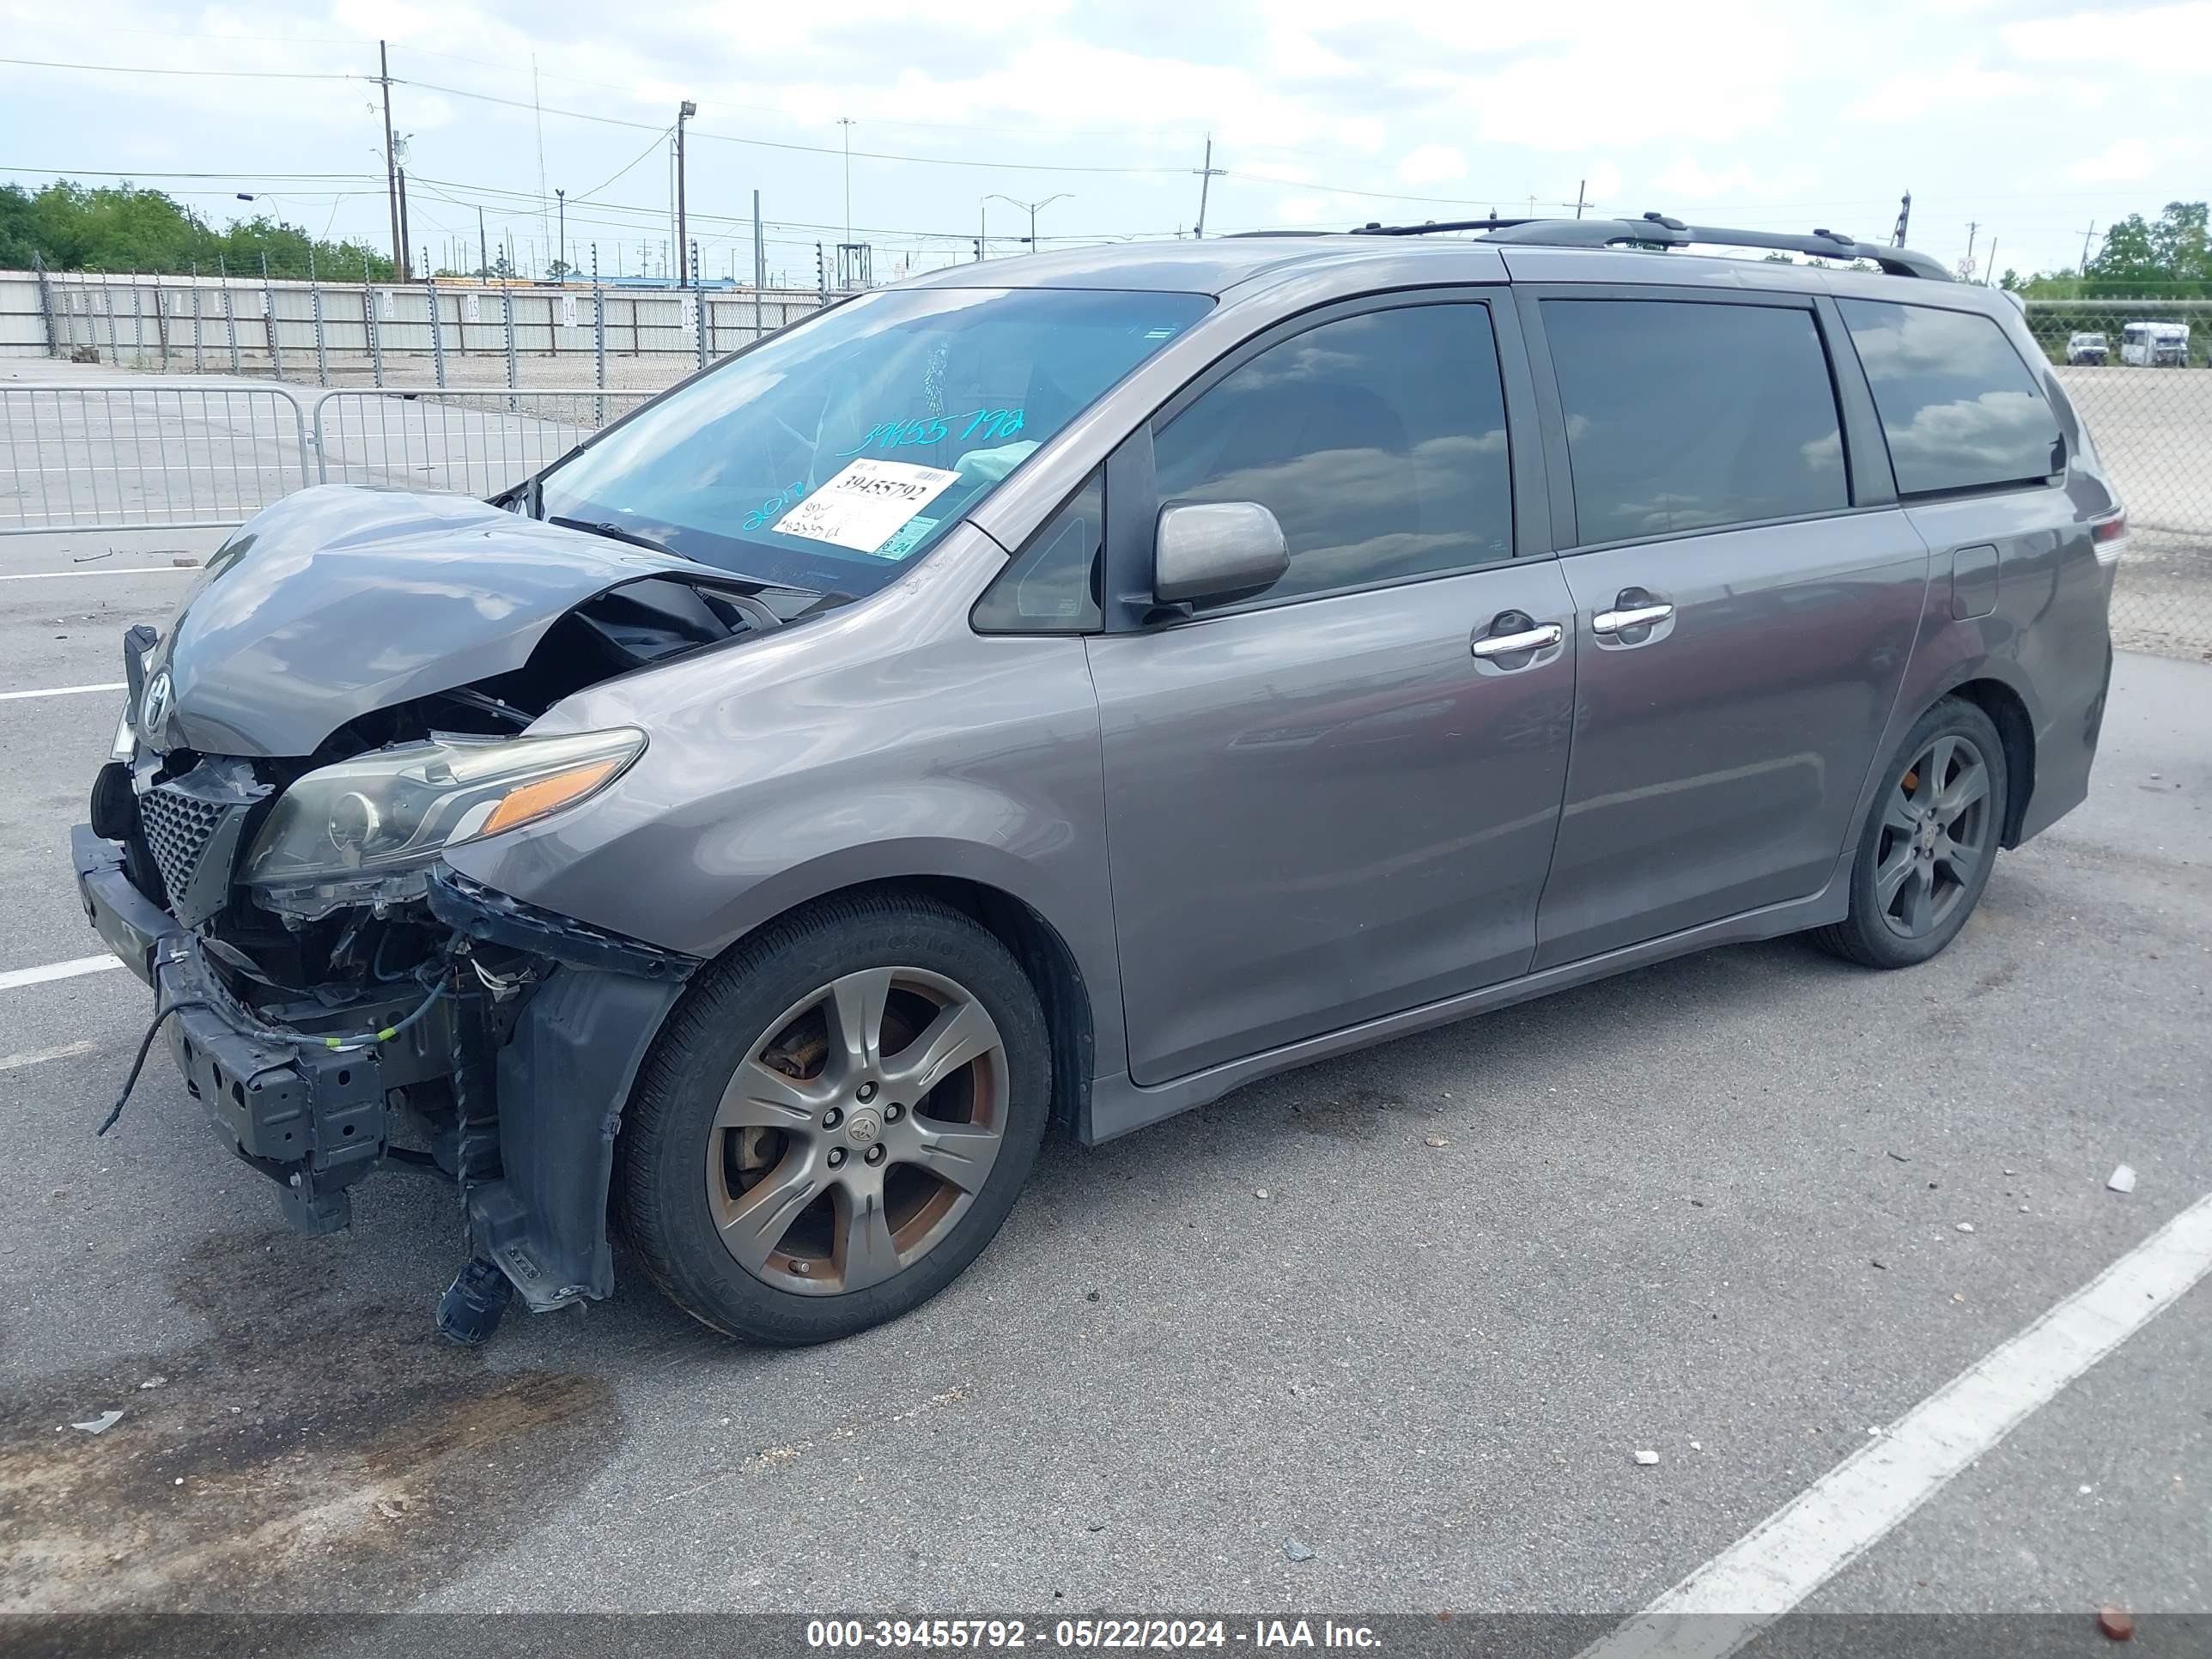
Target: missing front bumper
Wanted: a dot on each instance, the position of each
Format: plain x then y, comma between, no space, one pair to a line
544,1082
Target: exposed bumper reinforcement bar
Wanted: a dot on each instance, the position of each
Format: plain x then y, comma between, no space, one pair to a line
317,1121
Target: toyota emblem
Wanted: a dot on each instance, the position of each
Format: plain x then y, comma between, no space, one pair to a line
155,708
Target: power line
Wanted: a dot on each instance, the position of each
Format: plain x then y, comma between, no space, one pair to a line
654,145
238,178
232,75
998,129
786,144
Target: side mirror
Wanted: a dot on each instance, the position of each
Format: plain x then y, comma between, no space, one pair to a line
1215,550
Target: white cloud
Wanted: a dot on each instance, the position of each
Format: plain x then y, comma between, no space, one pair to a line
1318,110
1917,95
1432,164
2122,162
2169,42
1607,72
1360,132
1294,54
1686,179
1280,172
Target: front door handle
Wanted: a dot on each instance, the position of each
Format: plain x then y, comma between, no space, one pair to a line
1528,639
1635,615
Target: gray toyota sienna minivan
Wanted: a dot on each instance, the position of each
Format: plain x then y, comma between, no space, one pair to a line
1049,695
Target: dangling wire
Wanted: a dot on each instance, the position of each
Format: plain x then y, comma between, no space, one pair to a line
301,1039
145,1044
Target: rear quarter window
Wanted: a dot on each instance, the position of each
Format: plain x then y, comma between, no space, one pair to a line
1959,408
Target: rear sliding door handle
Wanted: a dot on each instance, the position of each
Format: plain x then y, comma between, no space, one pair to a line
1637,616
1528,639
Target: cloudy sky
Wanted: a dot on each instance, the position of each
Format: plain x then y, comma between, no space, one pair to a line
2031,120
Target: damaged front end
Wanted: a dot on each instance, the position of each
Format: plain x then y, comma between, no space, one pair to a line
335,996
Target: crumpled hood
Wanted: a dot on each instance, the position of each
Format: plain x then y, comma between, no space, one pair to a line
341,600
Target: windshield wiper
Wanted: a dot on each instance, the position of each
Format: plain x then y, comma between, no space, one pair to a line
613,532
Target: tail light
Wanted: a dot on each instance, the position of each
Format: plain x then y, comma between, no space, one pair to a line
2110,537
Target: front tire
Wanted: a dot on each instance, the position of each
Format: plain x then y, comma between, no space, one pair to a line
836,1121
1929,843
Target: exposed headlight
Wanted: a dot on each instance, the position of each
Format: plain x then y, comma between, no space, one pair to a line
344,831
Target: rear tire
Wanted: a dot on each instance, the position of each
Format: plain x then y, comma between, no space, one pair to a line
836,1121
1929,843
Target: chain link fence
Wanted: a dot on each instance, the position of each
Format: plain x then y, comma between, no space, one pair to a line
2140,372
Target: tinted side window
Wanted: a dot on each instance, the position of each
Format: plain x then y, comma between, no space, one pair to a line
1051,586
1682,415
1378,441
1959,408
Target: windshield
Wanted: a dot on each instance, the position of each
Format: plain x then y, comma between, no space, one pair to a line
833,456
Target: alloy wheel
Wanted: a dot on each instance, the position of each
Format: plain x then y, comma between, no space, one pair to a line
857,1131
1937,833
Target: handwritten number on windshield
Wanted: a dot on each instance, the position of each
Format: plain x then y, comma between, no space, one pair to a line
989,425
775,506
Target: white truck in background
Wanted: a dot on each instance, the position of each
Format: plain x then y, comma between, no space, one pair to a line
2155,345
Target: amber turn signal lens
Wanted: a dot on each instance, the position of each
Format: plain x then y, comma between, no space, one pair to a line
535,800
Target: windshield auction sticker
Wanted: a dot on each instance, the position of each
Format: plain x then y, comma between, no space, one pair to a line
867,505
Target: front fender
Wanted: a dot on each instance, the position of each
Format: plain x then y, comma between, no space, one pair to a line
884,741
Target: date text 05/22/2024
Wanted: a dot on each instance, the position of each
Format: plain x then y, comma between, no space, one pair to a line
1007,1635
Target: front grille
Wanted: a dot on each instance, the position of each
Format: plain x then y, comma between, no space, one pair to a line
192,824
178,829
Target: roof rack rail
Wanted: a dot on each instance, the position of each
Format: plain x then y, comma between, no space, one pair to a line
1656,230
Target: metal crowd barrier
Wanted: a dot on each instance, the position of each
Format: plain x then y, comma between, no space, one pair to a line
107,457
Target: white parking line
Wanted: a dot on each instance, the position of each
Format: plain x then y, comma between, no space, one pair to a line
39,1056
106,570
1775,1565
63,691
16,978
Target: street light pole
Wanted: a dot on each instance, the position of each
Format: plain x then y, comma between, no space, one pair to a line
845,123
1031,208
683,112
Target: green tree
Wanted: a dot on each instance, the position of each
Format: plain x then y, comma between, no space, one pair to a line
2160,258
121,228
19,238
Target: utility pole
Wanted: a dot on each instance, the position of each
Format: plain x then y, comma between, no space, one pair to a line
683,112
404,240
484,251
1972,224
1206,175
391,167
1990,281
760,251
2086,236
1904,219
562,197
1581,185
844,122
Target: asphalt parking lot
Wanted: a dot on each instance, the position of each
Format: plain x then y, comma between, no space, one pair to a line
1415,1311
